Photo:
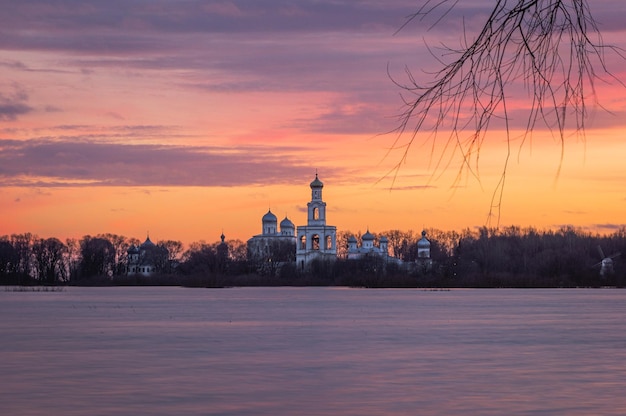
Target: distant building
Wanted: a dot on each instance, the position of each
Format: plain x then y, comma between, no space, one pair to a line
316,240
423,247
367,247
144,259
222,249
221,252
423,260
273,244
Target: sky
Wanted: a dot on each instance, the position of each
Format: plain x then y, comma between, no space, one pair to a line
188,119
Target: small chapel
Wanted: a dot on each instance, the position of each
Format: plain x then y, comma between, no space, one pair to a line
142,259
367,247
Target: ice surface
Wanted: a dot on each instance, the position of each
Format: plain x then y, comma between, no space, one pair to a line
312,351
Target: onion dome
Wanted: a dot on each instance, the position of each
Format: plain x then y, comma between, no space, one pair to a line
423,243
286,223
133,249
383,239
269,217
317,183
352,240
147,244
367,236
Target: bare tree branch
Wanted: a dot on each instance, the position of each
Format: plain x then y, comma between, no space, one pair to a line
552,47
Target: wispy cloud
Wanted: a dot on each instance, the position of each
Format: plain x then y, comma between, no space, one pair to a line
609,226
14,104
86,163
252,16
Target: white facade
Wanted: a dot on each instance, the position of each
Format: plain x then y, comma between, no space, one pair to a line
423,247
272,239
141,259
367,248
316,240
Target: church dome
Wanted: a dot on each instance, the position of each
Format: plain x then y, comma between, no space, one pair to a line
383,239
367,236
352,239
423,243
317,183
147,244
269,217
286,223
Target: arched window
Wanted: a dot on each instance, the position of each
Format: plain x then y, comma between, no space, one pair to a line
329,242
315,242
303,242
316,213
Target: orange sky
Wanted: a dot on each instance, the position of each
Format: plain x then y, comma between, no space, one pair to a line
137,122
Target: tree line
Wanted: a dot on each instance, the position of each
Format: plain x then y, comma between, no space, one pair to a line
27,259
516,257
482,257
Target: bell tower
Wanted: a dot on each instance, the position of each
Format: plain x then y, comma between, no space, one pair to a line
317,207
316,240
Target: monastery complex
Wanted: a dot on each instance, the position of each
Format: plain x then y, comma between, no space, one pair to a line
317,239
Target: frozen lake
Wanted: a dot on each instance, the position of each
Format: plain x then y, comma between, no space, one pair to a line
312,351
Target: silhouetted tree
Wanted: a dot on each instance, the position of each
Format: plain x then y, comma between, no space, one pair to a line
397,241
342,243
120,245
23,243
48,259
158,256
72,259
9,258
173,251
237,257
276,253
200,258
97,257
237,250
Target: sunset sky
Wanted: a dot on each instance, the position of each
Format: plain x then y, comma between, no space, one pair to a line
190,118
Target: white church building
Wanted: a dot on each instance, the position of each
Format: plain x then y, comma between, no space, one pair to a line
272,239
317,240
142,258
367,247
